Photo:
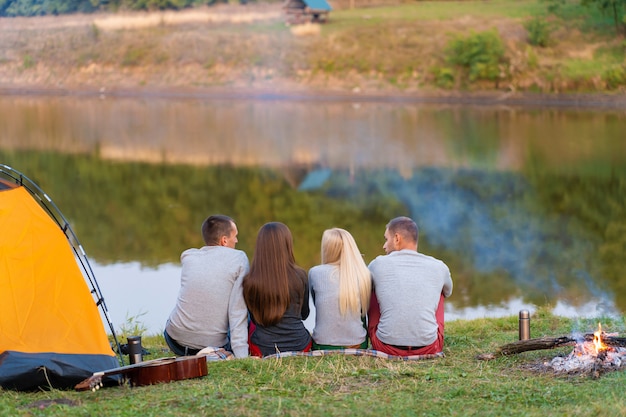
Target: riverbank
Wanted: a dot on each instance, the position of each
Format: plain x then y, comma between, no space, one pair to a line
573,100
366,53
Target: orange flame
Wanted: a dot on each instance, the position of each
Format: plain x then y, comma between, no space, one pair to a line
597,340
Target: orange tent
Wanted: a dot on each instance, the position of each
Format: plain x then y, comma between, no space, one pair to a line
51,333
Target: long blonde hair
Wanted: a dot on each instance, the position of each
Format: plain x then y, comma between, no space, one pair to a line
355,280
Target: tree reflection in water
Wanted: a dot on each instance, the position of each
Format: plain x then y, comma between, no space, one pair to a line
527,207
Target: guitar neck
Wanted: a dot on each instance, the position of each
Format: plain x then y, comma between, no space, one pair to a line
153,371
123,369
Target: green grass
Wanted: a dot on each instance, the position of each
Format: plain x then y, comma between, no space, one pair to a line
439,10
579,68
457,385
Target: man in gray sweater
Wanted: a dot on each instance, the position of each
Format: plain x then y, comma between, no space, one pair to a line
406,315
210,310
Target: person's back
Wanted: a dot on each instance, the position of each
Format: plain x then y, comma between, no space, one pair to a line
340,288
406,313
276,292
288,334
408,305
210,310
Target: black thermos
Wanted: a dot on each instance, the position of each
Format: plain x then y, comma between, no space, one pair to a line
134,349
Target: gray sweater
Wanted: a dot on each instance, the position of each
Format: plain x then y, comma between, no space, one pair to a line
408,287
331,328
210,301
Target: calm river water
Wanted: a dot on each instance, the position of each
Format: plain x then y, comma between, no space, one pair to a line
526,205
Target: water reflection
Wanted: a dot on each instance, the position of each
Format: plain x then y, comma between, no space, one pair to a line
527,206
332,134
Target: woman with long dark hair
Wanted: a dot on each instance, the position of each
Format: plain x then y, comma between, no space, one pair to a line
276,292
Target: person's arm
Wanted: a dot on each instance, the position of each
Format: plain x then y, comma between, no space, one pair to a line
311,289
447,284
304,312
238,315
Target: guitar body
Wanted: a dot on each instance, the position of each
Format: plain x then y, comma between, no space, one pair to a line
185,367
152,372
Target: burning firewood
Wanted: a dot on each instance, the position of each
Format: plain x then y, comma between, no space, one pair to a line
549,343
593,354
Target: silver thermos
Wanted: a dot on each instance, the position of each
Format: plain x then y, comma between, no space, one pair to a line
524,325
135,350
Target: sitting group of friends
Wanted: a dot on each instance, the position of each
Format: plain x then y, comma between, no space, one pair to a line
394,305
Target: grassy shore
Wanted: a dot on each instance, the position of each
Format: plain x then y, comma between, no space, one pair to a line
457,385
379,46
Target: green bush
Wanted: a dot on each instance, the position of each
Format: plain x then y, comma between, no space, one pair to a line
532,59
614,77
28,62
444,77
538,31
481,55
134,56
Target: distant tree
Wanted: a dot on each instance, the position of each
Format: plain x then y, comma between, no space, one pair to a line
13,8
615,8
3,6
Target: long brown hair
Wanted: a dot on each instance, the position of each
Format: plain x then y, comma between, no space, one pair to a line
273,272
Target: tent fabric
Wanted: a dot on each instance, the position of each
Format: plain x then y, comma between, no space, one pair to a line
47,312
318,5
33,371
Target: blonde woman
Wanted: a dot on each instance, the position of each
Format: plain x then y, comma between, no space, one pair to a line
341,289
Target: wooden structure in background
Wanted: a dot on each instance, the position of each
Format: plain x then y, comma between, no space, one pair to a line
306,11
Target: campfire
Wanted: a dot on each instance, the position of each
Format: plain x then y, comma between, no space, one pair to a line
593,356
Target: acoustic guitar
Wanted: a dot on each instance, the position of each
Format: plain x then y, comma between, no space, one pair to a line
152,372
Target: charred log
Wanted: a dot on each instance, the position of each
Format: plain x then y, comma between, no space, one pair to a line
534,344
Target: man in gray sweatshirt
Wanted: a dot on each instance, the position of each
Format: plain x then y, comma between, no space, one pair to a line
210,310
406,315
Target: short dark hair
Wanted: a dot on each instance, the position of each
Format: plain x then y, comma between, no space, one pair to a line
405,226
216,226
